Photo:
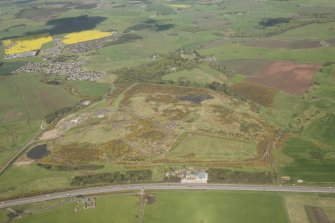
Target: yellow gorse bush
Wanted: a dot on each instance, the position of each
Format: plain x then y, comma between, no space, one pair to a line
83,36
25,44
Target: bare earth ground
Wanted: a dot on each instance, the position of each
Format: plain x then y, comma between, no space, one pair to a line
287,76
62,126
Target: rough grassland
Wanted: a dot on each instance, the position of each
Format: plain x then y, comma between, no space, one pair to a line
196,75
26,94
208,147
212,207
120,209
24,103
296,203
248,67
311,163
283,108
90,89
235,51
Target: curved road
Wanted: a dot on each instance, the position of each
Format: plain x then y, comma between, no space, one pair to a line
165,186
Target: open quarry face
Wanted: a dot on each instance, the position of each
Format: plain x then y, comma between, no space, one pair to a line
149,121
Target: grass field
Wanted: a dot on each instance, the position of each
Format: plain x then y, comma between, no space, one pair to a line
322,130
90,89
312,163
24,103
183,206
313,120
167,206
283,108
296,206
142,124
236,51
120,209
216,207
196,75
209,147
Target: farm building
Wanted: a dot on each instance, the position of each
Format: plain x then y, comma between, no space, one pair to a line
194,177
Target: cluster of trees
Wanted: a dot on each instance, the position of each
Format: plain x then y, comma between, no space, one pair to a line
61,112
130,176
268,22
231,176
70,168
156,69
226,89
53,82
125,38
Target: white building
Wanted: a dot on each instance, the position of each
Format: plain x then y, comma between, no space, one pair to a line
195,177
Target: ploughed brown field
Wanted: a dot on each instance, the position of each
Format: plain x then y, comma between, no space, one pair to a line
289,44
287,76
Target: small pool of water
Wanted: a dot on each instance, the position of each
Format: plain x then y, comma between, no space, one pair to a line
38,152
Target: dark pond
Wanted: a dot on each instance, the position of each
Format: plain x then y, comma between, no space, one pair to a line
197,99
38,152
268,22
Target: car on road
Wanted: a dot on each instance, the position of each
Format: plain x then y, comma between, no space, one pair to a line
68,195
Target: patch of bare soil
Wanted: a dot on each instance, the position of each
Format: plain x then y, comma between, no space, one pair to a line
63,125
23,161
289,77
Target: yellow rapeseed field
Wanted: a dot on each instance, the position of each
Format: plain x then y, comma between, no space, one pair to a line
25,44
84,36
179,6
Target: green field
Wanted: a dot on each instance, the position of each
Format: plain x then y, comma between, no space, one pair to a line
181,206
216,207
90,89
174,206
312,147
202,75
314,55
311,162
120,209
283,108
24,103
183,65
209,147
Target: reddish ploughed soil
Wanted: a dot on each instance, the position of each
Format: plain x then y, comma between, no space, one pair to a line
287,76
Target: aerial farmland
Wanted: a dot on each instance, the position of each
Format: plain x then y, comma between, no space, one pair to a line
212,107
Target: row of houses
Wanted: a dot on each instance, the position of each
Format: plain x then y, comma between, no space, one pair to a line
72,70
